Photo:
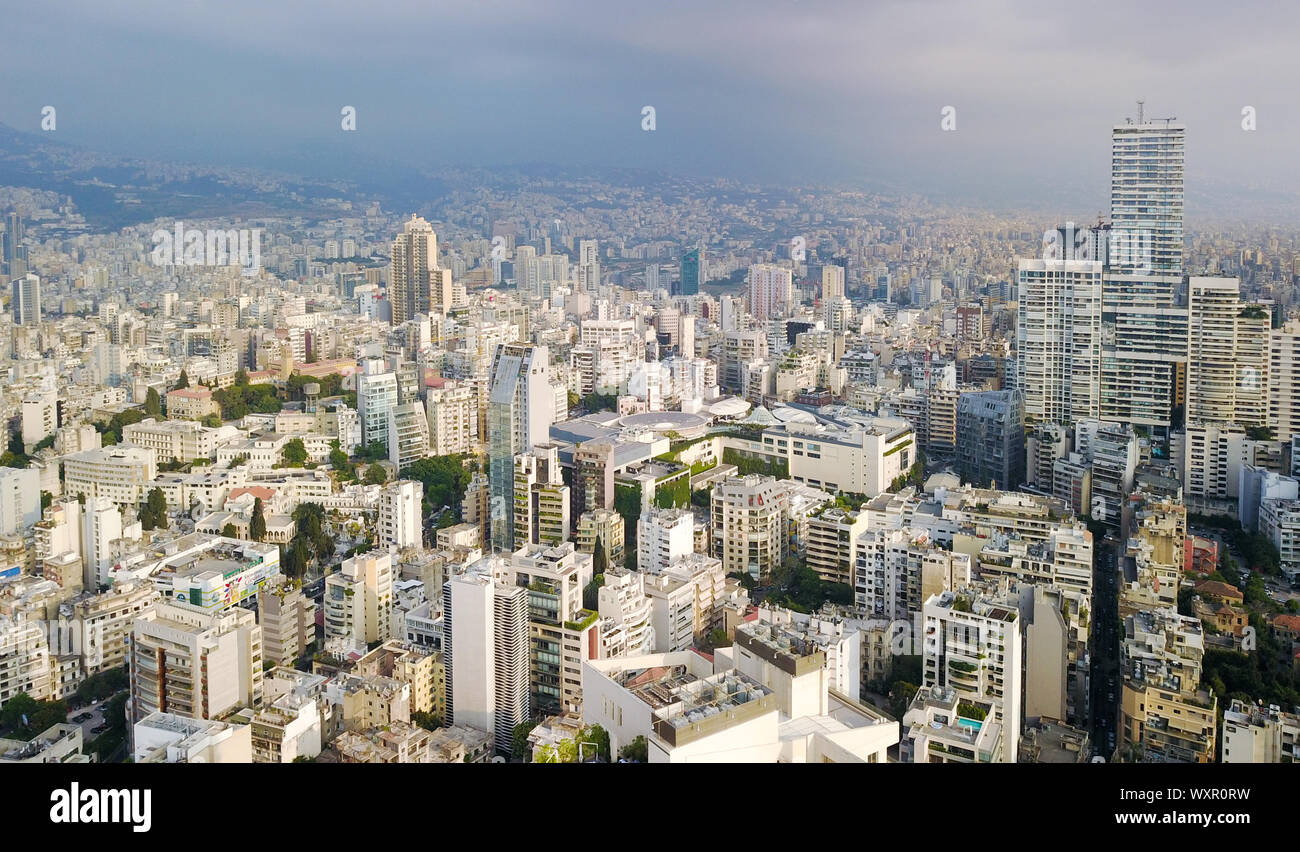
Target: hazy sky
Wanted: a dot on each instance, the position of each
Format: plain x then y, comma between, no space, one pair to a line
760,90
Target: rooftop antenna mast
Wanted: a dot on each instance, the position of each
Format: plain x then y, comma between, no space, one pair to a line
1141,106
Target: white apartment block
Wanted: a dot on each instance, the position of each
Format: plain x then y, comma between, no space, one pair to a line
452,411
194,663
1255,734
896,569
973,645
1058,339
400,518
662,537
20,499
174,440
1284,380
623,600
408,434
861,460
486,652
24,660
359,600
120,473
1228,346
686,599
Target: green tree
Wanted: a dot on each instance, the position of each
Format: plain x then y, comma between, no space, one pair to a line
46,499
295,453
229,531
519,748
428,721
598,559
157,504
40,715
376,475
146,517
183,382
257,526
152,403
591,593
637,751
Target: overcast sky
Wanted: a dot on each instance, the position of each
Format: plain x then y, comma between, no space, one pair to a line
760,90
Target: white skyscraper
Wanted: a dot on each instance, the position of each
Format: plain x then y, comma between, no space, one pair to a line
1227,367
485,649
1146,196
399,514
1145,325
1058,339
26,300
770,290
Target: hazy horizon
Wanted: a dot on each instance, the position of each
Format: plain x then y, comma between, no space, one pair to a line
770,92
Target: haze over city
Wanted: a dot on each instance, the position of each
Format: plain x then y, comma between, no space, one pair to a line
784,92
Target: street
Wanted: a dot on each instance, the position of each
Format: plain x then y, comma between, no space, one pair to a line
1105,648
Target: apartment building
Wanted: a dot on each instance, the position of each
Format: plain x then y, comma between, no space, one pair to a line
452,411
192,404
663,536
831,534
20,499
864,459
401,519
686,599
897,569
749,516
485,645
120,473
974,645
174,440
1165,715
359,600
941,727
1258,734
288,621
194,663
607,527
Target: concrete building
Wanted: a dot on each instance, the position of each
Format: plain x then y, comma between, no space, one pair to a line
359,600
408,434
992,446
863,459
1165,715
401,518
194,663
20,499
663,536
120,473
974,645
748,517
485,644
1255,734
1058,339
452,411
288,621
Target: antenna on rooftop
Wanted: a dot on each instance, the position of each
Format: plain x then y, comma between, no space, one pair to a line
1141,107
